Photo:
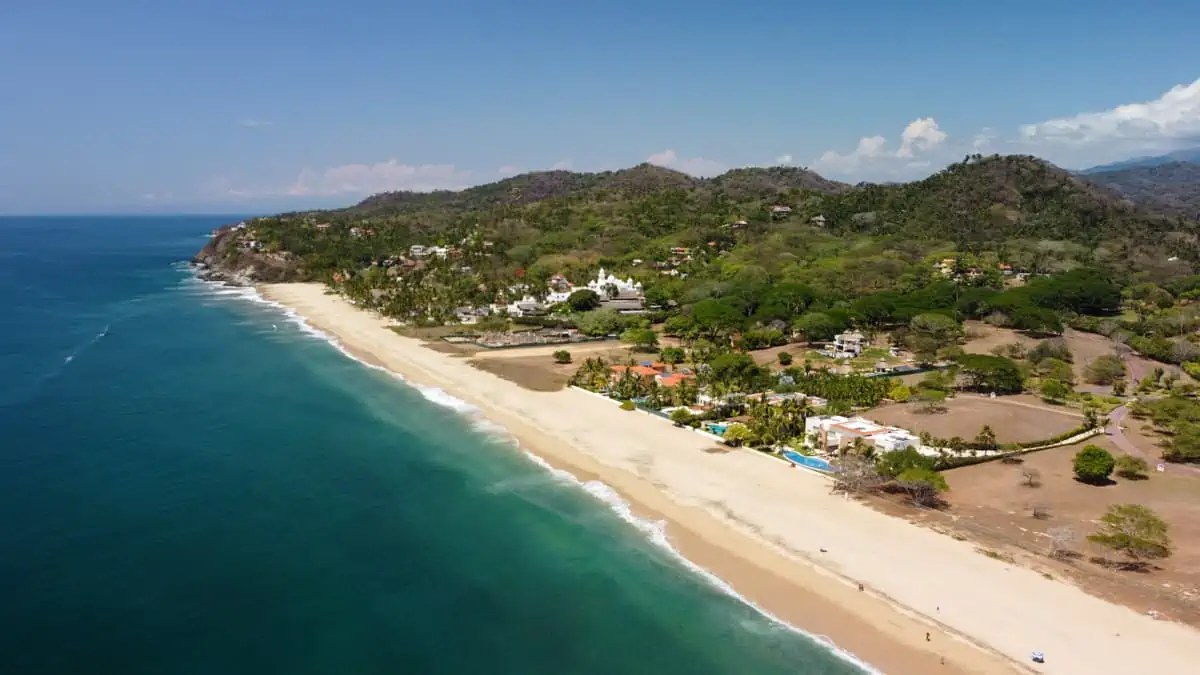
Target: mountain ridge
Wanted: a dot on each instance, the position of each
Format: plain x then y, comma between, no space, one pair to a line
1172,187
1185,155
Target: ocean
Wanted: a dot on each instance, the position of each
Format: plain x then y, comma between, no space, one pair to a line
194,482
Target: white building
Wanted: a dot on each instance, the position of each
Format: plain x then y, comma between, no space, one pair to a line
848,345
832,433
526,306
625,287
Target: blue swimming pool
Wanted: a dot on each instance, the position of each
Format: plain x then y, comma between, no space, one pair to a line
810,462
718,428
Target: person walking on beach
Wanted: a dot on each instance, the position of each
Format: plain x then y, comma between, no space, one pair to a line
927,637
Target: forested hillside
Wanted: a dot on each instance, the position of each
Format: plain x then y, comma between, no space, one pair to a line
1173,187
970,240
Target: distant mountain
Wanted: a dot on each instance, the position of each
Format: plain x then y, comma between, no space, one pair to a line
1172,187
634,182
1190,155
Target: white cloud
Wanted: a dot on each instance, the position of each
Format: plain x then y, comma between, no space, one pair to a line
869,149
1171,118
920,140
696,166
368,179
561,165
982,142
783,159
253,123
921,135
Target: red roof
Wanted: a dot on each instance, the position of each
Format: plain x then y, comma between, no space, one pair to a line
636,370
669,381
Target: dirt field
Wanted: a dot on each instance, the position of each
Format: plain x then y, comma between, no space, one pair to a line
534,367
988,505
1014,419
1084,346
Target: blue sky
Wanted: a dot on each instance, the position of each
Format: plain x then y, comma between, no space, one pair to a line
236,106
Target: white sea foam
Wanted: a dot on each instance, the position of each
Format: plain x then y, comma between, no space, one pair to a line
653,530
656,532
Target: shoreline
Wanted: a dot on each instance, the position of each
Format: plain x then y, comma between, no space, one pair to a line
759,526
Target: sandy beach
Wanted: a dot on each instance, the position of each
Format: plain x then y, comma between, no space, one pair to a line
761,526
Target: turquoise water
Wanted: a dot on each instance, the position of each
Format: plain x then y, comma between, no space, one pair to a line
190,482
813,462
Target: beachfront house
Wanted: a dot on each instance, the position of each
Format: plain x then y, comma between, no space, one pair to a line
848,345
834,433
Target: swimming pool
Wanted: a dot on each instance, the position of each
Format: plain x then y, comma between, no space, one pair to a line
810,462
718,428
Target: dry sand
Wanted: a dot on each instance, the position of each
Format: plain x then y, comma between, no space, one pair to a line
760,525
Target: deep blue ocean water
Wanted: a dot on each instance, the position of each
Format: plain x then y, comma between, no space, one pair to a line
192,483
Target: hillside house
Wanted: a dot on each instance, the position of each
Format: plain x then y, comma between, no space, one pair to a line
781,211
848,345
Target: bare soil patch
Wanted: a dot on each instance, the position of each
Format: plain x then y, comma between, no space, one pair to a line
1014,419
534,367
989,505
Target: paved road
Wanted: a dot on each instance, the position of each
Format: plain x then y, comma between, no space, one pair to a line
1116,420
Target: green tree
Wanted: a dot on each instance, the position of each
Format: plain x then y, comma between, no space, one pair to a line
931,401
1054,390
737,434
1093,465
991,373
671,355
1105,370
1136,531
923,485
681,417
986,438
562,356
716,319
900,392
892,464
1056,369
818,326
1132,468
929,333
785,359
583,300
642,339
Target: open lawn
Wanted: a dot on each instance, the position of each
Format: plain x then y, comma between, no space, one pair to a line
989,505
1014,419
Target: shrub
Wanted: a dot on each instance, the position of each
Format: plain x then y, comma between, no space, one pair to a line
1105,370
761,339
562,356
1093,464
681,417
737,434
1132,468
627,405
1134,530
785,359
1050,349
671,355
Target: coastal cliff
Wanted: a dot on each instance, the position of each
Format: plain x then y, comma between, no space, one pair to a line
233,255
